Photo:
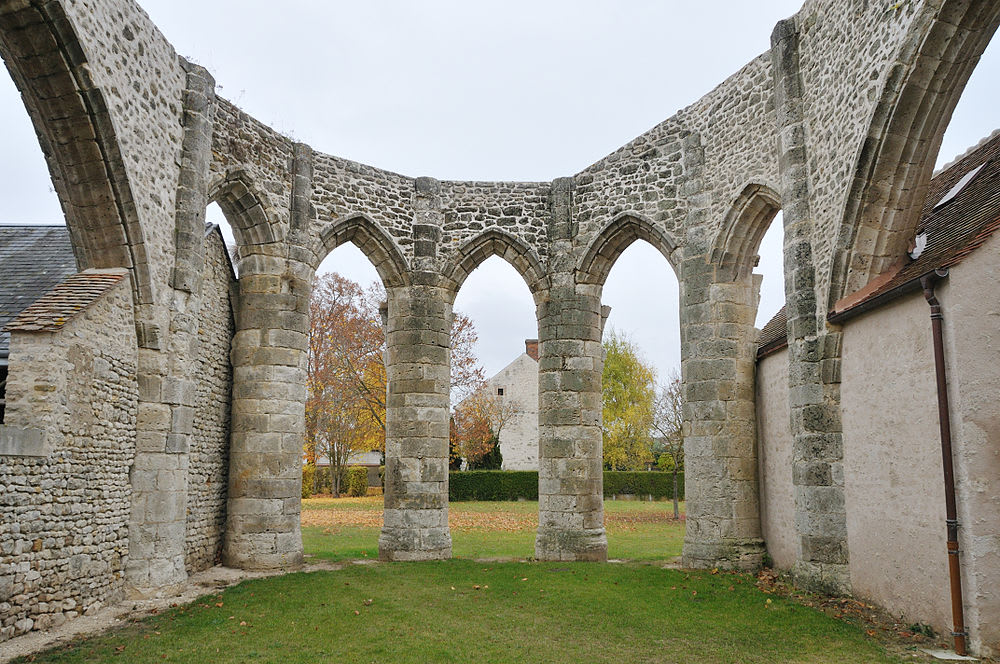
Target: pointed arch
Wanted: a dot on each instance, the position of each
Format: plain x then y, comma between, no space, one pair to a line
374,243
895,161
48,64
614,239
495,242
245,209
749,217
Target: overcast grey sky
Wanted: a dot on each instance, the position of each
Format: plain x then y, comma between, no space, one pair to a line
509,90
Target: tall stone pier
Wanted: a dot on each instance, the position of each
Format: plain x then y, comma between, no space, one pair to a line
418,330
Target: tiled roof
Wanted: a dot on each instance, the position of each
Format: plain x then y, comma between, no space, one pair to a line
57,307
774,336
33,259
953,231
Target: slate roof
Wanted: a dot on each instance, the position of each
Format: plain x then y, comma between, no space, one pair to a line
33,259
953,230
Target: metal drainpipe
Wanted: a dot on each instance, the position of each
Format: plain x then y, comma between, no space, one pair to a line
954,570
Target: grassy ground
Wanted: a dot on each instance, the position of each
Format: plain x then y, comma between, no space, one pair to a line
347,528
464,611
472,611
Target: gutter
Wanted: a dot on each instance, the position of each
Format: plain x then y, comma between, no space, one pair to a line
928,282
911,286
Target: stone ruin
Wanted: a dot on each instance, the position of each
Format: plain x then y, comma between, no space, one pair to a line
160,430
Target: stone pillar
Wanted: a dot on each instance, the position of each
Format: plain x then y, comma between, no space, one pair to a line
570,442
720,455
167,365
418,328
813,350
718,348
268,415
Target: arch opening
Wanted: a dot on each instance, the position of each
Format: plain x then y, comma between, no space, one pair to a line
615,238
481,248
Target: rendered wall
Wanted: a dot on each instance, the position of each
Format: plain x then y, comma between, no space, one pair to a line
774,455
970,299
892,463
64,518
519,436
208,469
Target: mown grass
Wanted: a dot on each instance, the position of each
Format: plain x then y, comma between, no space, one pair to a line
468,611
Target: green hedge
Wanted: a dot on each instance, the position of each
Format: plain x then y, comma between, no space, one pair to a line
523,484
642,483
493,485
357,481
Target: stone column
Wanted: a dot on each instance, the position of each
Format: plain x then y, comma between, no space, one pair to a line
268,415
718,348
418,358
813,350
720,455
570,442
167,366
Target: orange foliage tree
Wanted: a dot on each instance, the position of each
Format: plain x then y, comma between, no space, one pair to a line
346,374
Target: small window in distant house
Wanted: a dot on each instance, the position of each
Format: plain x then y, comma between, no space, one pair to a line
499,391
3,390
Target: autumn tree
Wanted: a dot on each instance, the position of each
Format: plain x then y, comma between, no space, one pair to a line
346,373
628,394
478,420
668,423
345,406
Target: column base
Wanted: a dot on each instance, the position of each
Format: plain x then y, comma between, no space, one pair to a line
744,555
571,545
825,578
410,544
263,551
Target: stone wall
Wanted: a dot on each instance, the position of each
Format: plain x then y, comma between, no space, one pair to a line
65,510
208,464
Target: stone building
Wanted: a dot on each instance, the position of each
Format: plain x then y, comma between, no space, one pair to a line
517,385
177,371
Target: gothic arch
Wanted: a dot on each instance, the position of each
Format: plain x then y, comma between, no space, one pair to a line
896,159
615,238
373,242
245,209
495,242
747,221
47,61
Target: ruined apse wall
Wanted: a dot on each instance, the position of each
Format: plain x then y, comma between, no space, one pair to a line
67,491
138,72
864,39
208,465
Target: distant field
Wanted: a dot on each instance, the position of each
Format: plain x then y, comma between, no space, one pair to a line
344,528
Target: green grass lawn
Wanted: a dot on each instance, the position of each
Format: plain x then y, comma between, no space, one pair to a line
466,610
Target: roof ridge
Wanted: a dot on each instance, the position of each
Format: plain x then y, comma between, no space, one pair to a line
968,151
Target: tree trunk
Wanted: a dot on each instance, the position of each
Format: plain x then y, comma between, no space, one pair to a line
677,514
